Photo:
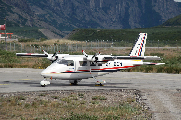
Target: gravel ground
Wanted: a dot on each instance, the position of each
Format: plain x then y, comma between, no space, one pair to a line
105,98
165,104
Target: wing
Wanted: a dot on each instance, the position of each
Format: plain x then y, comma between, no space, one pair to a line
31,55
51,57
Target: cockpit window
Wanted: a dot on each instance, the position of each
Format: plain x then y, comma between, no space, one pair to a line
66,62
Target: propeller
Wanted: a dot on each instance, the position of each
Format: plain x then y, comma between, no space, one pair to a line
93,58
52,58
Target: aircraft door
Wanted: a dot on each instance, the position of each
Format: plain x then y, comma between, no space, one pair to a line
76,65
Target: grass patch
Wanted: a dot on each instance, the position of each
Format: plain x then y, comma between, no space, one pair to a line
55,97
64,107
99,98
172,65
81,95
10,60
43,94
171,58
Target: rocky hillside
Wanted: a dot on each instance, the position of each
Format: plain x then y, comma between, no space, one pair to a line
56,17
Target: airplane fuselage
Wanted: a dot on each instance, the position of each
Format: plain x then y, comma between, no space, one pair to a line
76,68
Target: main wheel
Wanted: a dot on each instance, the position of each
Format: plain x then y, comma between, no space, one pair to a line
43,85
75,82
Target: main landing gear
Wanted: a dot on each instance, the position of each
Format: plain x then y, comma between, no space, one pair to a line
44,82
74,82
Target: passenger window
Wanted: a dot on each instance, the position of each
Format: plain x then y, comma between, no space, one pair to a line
92,64
99,64
70,63
83,63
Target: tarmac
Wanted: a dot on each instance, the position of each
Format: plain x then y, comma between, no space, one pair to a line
160,91
27,79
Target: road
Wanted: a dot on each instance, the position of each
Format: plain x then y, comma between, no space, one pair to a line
160,91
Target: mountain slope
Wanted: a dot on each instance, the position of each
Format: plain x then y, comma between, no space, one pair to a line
57,16
176,21
154,34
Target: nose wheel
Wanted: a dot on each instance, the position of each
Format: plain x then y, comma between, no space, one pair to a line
44,83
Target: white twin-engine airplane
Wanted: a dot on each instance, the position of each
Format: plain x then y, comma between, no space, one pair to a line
77,67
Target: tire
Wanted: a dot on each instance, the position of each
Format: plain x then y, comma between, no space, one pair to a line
43,85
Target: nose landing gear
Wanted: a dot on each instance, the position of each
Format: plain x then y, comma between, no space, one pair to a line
44,82
99,82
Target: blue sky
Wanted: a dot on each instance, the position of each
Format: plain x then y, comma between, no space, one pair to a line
178,0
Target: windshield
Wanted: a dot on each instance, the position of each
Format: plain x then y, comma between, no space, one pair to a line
66,62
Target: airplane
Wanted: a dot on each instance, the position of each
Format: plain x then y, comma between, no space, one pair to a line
77,67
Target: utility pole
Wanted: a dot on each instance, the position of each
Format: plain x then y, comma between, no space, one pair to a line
5,34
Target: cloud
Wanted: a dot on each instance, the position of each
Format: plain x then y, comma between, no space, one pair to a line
177,0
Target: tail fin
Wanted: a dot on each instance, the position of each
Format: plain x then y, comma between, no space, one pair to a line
139,48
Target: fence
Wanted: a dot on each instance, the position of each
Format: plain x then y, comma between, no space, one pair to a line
67,47
78,46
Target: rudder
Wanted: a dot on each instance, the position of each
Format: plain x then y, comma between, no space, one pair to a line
139,47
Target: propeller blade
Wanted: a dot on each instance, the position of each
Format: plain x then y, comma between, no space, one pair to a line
55,54
84,53
45,52
96,55
93,58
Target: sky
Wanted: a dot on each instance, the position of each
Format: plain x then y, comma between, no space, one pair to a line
177,0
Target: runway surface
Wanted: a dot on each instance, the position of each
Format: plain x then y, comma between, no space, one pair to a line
27,79
160,91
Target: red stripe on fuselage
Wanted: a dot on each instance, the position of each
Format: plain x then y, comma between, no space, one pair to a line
108,68
69,71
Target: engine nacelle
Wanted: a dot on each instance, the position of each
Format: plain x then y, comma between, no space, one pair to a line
91,59
99,58
52,58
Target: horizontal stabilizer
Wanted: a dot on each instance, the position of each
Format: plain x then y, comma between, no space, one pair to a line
149,63
152,58
124,57
133,57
